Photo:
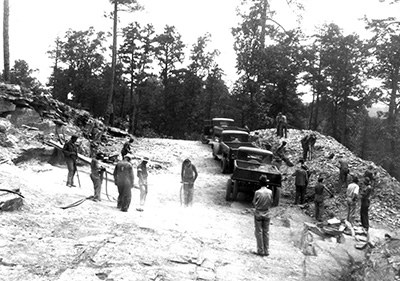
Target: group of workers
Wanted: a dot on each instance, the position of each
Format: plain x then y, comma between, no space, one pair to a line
124,175
263,198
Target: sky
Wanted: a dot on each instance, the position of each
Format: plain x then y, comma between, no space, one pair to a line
34,25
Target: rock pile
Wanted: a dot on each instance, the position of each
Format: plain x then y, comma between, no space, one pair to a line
385,203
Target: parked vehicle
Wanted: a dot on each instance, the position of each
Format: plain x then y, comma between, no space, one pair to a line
210,125
249,165
226,146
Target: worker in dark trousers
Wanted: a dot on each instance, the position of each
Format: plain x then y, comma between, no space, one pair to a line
70,152
319,198
301,182
262,203
343,172
97,175
126,148
124,179
365,203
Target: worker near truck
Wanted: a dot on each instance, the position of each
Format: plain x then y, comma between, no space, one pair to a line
262,202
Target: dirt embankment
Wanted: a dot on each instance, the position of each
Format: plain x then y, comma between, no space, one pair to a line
212,240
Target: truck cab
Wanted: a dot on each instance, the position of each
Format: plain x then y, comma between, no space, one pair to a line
249,165
214,127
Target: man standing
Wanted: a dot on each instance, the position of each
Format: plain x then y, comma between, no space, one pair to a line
301,182
281,125
319,198
124,180
352,195
126,148
142,175
343,172
70,152
262,202
305,146
365,202
188,177
96,175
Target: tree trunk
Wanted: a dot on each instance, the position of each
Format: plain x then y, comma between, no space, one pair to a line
110,99
6,41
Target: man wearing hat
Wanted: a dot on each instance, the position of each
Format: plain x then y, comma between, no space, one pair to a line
96,175
301,182
124,180
142,175
70,152
262,202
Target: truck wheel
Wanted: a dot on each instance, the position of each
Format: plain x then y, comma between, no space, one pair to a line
224,167
229,189
235,190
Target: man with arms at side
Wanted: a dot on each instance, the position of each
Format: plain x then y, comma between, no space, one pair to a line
70,152
124,180
262,203
352,196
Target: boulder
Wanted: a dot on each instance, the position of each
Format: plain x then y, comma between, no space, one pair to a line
24,116
6,106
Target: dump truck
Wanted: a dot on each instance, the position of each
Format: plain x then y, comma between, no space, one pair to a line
249,165
215,124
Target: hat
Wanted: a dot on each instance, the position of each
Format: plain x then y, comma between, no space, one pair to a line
74,137
146,159
301,160
263,179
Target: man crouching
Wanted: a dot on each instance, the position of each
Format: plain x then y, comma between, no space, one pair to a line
124,180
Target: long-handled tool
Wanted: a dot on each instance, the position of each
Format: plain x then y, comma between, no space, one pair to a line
77,175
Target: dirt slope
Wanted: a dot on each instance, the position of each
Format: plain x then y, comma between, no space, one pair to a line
212,240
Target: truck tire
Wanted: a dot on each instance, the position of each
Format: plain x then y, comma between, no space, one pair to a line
235,190
224,164
229,189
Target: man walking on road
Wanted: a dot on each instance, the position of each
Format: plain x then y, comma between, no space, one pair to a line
142,175
70,152
124,179
188,177
262,203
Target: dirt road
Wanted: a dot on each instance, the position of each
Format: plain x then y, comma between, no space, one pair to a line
212,240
